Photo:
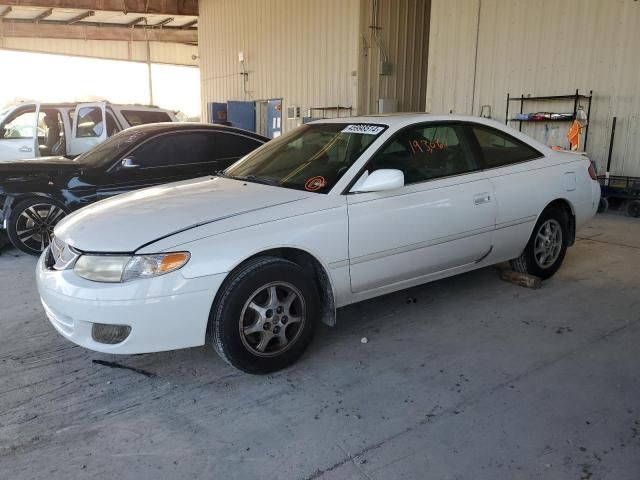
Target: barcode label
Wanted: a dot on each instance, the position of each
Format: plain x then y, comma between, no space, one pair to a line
363,129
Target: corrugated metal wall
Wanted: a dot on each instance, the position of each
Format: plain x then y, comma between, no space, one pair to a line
452,38
404,32
303,51
546,47
161,52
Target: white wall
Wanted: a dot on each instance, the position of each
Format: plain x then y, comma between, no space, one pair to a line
303,51
542,47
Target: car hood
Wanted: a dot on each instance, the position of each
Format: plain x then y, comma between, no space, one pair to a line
127,222
46,166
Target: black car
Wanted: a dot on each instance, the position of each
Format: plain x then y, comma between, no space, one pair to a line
36,194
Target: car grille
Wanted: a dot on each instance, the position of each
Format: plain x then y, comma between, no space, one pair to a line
61,256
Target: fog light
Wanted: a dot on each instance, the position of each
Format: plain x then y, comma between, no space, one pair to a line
110,334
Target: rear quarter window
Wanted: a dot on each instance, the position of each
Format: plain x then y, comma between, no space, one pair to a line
138,117
500,149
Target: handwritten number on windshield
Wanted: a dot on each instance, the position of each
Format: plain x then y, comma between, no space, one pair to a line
426,146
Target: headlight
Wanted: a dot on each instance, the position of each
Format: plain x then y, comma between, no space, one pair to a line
124,268
101,268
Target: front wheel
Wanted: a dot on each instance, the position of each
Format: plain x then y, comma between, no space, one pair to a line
265,316
547,246
31,224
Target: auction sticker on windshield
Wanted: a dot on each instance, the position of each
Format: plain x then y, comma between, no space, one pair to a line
315,183
363,129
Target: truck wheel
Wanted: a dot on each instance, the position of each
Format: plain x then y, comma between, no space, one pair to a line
31,222
547,246
265,316
633,208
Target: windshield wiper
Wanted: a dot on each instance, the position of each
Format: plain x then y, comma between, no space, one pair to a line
256,179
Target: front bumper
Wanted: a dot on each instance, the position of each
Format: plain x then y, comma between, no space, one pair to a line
165,313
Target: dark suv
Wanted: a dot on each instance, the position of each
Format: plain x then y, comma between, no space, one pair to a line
36,194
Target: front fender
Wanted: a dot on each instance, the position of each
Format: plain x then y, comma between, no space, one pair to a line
322,235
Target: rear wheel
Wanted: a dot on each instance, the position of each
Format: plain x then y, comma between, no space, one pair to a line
547,246
266,315
633,208
31,224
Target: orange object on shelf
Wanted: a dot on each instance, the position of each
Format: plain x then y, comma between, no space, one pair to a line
573,135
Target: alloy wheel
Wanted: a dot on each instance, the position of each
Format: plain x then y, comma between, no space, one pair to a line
272,319
35,225
548,243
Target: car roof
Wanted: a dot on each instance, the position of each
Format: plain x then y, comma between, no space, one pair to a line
404,118
167,127
399,120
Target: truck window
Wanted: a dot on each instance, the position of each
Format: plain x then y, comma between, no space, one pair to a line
89,122
20,126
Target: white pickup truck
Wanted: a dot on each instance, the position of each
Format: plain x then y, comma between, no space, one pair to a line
31,130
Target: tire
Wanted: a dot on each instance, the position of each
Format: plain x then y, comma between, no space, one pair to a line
252,321
603,206
633,208
31,224
4,241
550,236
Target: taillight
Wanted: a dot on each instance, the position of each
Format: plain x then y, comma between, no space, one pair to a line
592,172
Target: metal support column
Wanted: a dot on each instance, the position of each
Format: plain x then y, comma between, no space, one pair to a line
149,67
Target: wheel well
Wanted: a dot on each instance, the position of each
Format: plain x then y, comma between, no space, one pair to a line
566,206
11,200
312,265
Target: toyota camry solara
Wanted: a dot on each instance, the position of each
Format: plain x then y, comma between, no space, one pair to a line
335,212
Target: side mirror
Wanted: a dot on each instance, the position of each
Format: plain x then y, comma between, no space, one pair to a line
129,162
380,181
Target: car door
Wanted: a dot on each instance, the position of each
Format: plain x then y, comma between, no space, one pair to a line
19,133
441,219
175,156
88,127
518,180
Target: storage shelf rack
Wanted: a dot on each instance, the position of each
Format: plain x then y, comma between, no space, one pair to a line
576,97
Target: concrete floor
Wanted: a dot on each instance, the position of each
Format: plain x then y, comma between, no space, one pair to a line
477,379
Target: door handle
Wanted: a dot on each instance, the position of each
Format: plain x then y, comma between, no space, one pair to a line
481,198
25,149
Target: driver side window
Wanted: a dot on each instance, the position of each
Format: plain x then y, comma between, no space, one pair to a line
426,152
20,126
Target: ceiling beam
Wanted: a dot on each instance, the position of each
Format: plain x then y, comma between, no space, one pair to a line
135,21
166,7
82,16
189,24
162,23
5,12
92,32
44,14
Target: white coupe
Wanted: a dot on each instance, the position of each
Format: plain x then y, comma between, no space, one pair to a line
335,212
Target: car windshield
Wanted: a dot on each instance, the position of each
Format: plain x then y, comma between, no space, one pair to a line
107,151
312,157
